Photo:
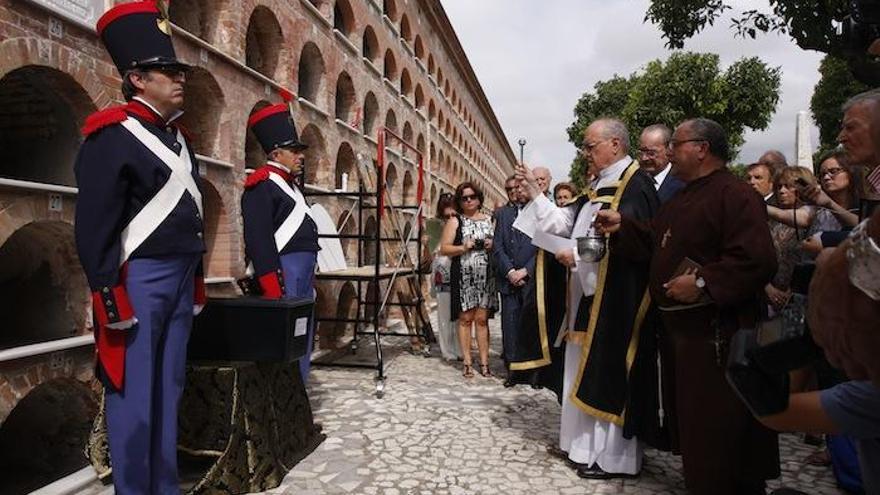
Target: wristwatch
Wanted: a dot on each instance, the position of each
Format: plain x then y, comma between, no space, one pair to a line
863,260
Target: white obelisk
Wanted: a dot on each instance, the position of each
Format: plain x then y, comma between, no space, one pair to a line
802,141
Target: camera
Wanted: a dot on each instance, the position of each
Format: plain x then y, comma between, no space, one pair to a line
760,359
479,244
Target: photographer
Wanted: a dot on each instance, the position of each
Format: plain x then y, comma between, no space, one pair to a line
847,330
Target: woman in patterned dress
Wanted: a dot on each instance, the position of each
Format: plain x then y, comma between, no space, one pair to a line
467,239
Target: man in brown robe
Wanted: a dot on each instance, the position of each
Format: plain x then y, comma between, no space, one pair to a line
711,255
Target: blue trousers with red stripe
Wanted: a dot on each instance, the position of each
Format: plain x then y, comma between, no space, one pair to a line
142,417
299,281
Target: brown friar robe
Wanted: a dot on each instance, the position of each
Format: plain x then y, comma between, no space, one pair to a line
719,222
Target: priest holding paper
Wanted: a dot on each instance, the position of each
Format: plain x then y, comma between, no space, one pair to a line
610,401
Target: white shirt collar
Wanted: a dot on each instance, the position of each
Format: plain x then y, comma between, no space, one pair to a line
661,176
767,197
174,117
278,165
612,173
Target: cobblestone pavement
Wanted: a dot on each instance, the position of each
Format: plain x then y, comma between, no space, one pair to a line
434,433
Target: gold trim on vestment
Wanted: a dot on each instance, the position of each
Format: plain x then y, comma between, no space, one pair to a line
594,317
542,322
603,199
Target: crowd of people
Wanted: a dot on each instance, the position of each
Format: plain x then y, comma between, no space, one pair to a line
666,259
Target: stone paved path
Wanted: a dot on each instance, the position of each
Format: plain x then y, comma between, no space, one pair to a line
433,433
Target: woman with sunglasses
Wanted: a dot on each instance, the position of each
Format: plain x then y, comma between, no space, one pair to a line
467,239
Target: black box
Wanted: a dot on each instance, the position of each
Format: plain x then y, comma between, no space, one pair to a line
251,329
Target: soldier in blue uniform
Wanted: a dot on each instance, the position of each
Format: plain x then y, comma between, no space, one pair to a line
139,236
281,239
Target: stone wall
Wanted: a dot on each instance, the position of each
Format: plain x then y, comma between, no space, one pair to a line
352,66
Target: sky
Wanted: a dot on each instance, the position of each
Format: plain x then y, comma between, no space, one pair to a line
535,58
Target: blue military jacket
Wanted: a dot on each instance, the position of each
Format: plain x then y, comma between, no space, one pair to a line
264,208
118,176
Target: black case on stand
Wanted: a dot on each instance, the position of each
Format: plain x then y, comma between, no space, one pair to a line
251,329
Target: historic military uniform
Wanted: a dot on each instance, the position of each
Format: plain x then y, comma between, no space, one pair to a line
281,239
139,236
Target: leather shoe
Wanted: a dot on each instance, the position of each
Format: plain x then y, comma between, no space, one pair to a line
594,472
557,453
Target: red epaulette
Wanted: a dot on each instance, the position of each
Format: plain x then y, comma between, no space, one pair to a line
259,175
103,118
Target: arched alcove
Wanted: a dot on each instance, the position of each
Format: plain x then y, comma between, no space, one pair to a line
264,41
204,107
419,48
420,143
346,308
315,154
310,73
409,191
391,121
406,83
197,17
347,225
389,8
254,156
446,88
343,17
42,439
345,165
370,45
41,111
419,97
432,200
345,98
218,233
44,291
432,110
431,64
405,29
369,242
389,68
391,182
371,113
408,135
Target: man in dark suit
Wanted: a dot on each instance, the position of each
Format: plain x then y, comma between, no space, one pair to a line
760,177
515,263
654,159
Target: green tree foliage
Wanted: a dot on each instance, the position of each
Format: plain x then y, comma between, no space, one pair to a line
684,86
812,24
836,85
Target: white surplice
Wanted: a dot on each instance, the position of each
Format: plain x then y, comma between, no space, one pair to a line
587,439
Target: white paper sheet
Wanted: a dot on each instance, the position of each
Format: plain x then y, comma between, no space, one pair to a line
552,243
301,326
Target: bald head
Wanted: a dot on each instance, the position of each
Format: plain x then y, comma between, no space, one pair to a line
543,178
774,160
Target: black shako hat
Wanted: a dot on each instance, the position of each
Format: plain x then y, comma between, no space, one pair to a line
137,36
275,129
